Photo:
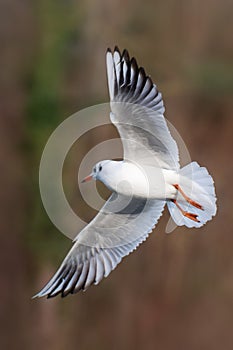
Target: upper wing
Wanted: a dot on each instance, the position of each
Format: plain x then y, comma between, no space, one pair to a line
117,230
137,112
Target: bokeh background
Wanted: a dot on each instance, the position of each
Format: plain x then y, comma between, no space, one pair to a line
176,291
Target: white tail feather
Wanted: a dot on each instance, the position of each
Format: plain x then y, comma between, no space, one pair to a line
197,184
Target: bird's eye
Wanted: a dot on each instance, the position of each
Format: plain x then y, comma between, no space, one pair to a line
100,167
94,170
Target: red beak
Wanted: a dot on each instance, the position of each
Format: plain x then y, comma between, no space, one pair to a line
87,178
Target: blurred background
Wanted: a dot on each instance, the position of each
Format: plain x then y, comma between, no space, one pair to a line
176,291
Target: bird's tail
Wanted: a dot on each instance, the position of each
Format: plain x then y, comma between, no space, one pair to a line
195,203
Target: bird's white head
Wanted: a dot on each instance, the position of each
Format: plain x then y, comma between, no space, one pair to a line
100,171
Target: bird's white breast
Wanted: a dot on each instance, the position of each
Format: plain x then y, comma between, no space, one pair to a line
147,182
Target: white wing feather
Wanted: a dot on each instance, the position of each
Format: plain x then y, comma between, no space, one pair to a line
102,244
137,112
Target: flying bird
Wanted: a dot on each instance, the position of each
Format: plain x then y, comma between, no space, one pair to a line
148,177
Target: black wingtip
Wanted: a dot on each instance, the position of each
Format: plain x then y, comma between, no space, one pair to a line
125,55
142,72
134,64
116,49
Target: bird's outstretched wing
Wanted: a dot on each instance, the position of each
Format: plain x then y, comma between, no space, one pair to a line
137,112
117,230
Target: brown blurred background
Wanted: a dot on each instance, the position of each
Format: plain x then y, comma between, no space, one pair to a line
176,291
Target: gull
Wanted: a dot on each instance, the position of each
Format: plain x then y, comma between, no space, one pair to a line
148,178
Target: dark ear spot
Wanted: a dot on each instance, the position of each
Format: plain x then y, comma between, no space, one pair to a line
100,167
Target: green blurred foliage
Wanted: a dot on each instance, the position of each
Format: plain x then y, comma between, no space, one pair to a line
56,22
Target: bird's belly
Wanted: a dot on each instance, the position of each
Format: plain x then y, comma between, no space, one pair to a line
147,182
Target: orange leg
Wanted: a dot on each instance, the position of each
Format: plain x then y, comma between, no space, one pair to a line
189,200
191,216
